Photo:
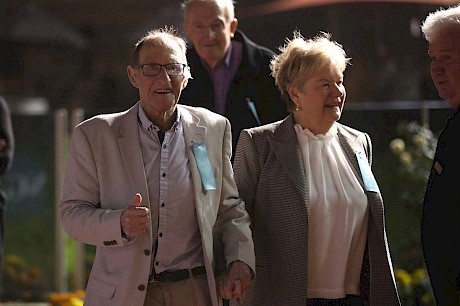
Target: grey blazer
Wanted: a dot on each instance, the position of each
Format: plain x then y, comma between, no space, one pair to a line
105,170
271,179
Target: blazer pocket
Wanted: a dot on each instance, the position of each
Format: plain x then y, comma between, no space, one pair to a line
101,288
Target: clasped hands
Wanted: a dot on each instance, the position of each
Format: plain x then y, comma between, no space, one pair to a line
232,284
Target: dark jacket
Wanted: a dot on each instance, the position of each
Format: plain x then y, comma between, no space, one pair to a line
253,80
6,159
441,216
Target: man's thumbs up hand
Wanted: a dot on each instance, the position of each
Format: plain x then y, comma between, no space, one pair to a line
135,218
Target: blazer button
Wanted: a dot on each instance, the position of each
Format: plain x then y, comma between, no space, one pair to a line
147,252
141,287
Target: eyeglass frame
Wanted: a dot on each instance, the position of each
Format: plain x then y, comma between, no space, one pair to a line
161,66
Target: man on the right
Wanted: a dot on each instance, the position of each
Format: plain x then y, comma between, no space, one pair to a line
441,207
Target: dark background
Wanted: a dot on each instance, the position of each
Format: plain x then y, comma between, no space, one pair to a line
74,53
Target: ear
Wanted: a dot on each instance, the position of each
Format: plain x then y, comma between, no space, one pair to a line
184,84
187,76
132,76
293,93
233,26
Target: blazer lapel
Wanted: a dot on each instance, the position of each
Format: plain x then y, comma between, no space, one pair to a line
131,151
286,147
349,145
193,132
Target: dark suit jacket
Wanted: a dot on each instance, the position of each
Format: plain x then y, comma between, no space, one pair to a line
6,159
6,133
441,216
253,80
270,177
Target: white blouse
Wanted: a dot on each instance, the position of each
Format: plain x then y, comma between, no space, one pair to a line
338,216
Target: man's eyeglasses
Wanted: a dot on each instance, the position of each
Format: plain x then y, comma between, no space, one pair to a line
173,69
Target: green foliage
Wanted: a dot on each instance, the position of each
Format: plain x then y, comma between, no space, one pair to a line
407,167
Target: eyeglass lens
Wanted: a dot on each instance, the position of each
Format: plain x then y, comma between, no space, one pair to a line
155,69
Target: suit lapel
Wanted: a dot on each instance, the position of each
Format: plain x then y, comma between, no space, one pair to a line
194,132
131,151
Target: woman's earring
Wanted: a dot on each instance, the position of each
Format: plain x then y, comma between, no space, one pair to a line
296,106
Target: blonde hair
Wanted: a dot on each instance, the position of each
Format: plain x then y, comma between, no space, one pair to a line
301,58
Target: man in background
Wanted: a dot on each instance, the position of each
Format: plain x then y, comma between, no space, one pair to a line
231,74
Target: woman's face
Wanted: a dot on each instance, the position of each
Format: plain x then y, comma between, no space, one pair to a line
320,100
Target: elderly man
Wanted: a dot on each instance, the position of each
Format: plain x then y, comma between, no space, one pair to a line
441,210
146,187
231,73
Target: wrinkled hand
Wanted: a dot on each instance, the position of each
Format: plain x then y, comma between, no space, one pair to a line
134,219
233,284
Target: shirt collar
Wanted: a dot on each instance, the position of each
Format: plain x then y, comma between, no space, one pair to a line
148,125
228,56
328,135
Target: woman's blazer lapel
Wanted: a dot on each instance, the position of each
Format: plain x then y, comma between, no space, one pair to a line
285,146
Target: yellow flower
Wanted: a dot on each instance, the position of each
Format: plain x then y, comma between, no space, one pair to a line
67,299
418,140
405,158
403,277
418,275
397,146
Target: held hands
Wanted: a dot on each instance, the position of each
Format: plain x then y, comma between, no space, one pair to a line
134,219
234,283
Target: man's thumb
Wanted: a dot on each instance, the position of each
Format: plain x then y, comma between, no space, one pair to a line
137,200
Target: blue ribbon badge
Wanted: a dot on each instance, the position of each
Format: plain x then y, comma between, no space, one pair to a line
369,181
252,108
204,166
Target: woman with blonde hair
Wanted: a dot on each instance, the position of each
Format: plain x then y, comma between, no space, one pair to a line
316,210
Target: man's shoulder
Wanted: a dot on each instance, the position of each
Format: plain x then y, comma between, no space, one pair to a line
200,112
252,46
100,120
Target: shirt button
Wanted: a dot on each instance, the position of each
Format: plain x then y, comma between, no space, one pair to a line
141,287
161,235
162,204
164,174
147,252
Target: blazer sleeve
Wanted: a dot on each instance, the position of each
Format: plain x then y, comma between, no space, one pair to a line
247,169
80,211
234,222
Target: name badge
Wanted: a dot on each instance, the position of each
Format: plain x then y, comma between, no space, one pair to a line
438,167
204,166
370,183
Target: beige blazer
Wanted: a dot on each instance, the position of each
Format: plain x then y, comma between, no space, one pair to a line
104,172
271,180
